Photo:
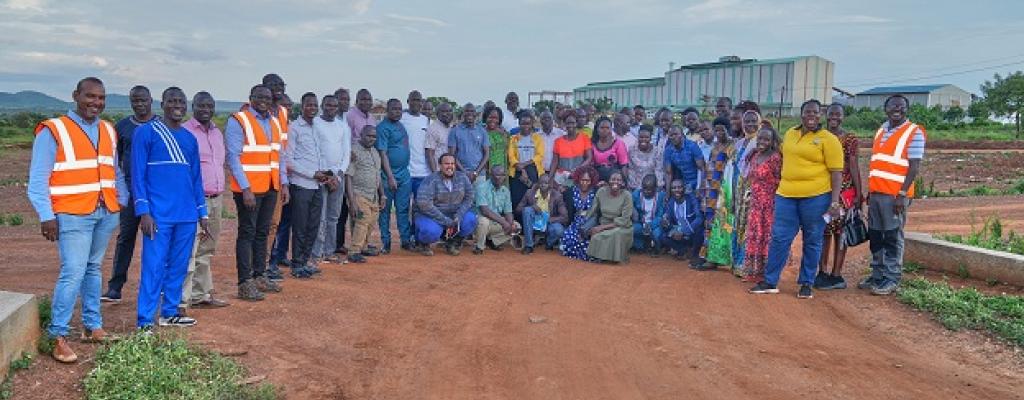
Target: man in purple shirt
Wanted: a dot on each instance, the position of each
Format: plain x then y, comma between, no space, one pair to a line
198,287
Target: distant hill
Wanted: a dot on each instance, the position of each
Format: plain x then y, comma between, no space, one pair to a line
29,100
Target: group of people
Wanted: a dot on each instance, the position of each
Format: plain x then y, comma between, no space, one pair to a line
729,192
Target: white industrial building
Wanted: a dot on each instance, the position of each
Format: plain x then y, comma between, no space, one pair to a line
776,84
944,95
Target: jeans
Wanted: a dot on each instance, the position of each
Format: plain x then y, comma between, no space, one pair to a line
306,211
326,236
165,258
279,249
554,231
253,227
82,241
129,230
429,231
642,242
399,199
793,214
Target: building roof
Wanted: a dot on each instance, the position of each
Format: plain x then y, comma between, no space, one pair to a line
903,89
746,61
624,83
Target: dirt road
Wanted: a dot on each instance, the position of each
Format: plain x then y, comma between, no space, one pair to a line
505,326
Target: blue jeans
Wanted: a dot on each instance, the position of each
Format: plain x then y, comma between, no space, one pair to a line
399,199
165,258
641,242
279,250
554,231
429,231
82,241
793,214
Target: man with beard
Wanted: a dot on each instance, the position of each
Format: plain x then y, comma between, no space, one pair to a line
437,135
169,200
142,110
253,141
444,208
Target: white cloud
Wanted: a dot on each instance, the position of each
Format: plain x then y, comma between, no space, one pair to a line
361,6
33,6
425,20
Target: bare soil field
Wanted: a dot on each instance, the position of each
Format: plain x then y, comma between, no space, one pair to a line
506,326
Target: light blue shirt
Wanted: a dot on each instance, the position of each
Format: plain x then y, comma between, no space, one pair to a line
915,149
235,139
44,154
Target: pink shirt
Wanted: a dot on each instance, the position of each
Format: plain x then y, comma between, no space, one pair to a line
211,155
357,120
618,149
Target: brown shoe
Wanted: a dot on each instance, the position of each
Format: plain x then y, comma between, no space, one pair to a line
210,303
249,292
62,351
97,335
265,285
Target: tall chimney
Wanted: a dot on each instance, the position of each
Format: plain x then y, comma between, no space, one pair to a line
671,65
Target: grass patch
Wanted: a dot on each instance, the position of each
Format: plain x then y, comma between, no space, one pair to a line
45,344
11,219
992,237
928,190
7,387
967,308
13,136
159,367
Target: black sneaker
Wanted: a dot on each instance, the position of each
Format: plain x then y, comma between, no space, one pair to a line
274,274
764,288
696,263
370,252
492,246
831,282
868,283
177,320
409,247
111,296
805,292
356,258
527,250
822,279
302,273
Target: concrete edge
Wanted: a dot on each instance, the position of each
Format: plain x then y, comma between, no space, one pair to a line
938,254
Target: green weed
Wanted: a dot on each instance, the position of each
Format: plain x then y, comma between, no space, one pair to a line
967,308
991,236
159,367
7,387
45,345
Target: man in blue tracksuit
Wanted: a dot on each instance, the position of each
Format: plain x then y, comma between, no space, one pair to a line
169,198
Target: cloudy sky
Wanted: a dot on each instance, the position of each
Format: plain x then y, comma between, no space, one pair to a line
478,50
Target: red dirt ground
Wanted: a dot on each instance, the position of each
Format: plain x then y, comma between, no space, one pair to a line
411,327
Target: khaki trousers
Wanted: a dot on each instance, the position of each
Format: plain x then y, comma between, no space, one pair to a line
488,229
198,283
363,223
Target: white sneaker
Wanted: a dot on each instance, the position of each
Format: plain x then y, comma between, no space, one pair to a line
177,320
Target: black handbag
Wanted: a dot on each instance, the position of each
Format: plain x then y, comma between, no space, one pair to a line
855,231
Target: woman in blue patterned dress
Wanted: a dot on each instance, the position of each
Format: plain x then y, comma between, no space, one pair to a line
580,199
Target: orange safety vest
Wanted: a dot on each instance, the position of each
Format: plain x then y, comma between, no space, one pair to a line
282,116
82,172
889,162
260,159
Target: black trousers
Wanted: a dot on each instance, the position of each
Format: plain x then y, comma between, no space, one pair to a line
125,247
253,227
339,244
306,206
517,189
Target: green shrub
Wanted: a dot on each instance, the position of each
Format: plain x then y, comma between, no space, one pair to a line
991,236
14,219
45,344
158,367
967,308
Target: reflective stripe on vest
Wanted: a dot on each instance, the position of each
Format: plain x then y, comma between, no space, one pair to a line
259,157
82,175
889,163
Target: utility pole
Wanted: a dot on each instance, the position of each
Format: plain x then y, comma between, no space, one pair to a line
778,118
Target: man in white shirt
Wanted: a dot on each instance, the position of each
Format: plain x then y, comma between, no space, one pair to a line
335,137
549,132
510,115
416,124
